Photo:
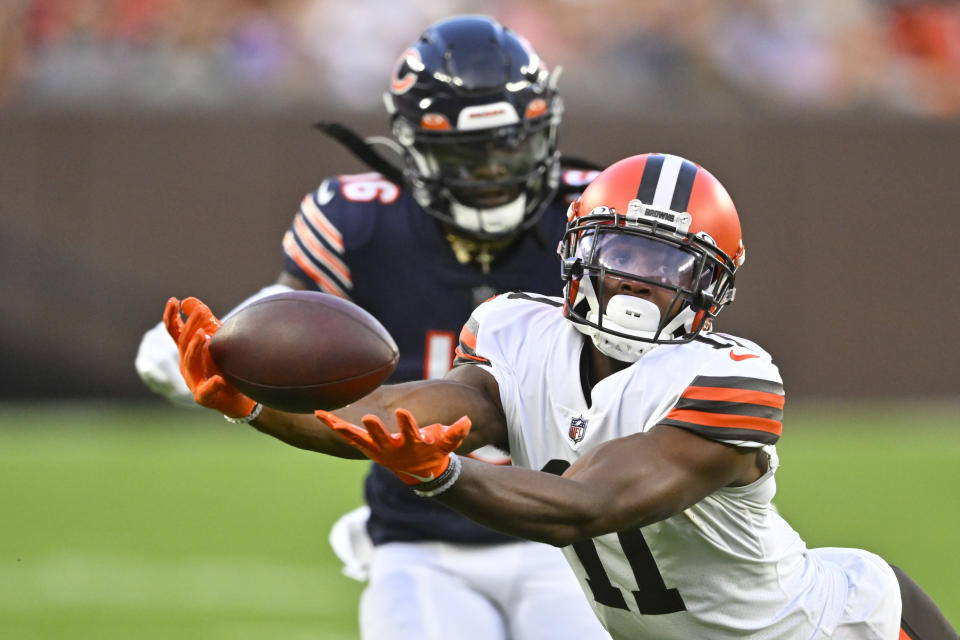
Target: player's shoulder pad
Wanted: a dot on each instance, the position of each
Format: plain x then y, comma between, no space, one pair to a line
347,206
731,355
510,304
343,214
736,394
511,312
499,317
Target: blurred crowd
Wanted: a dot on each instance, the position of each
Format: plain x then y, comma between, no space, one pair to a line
676,56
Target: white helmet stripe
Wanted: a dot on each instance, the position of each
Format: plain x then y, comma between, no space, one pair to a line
663,196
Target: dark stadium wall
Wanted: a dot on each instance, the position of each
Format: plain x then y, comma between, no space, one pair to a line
850,227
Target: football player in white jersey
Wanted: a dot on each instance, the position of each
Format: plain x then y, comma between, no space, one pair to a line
657,434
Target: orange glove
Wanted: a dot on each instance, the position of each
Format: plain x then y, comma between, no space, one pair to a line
419,457
196,365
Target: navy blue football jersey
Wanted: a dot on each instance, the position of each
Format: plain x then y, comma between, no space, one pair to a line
366,239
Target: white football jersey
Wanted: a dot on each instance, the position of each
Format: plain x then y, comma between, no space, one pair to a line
727,567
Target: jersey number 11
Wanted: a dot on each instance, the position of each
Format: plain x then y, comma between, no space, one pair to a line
652,597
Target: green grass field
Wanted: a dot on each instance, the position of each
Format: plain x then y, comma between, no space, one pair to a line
155,522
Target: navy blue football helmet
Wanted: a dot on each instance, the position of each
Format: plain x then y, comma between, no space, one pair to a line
476,112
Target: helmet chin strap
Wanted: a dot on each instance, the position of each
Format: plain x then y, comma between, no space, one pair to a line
632,316
500,219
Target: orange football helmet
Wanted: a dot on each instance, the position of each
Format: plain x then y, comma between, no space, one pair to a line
664,224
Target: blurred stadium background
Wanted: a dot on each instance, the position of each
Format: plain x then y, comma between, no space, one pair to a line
151,148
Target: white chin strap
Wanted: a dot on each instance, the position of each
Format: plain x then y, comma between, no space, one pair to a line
632,316
502,219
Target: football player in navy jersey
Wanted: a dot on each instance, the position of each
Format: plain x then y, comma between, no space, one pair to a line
644,441
476,208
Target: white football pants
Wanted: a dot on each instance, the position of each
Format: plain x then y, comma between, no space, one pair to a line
438,591
441,590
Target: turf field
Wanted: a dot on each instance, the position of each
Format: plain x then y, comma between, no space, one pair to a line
154,522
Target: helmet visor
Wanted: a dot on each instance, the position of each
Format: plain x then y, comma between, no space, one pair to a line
643,258
488,172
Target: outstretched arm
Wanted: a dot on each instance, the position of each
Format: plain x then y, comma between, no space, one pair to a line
465,391
622,484
462,393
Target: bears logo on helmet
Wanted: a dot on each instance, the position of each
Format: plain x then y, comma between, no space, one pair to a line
408,61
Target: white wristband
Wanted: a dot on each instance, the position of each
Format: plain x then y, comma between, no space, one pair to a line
257,408
444,482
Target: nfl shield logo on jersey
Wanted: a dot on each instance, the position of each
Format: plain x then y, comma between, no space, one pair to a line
578,427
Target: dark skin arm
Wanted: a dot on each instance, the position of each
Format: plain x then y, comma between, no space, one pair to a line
622,484
464,391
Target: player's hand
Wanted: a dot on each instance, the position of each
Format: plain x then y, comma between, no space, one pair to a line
416,455
208,387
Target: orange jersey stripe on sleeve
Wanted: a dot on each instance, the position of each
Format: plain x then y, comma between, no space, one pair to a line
320,252
327,285
468,339
312,213
460,353
728,421
730,408
466,352
744,396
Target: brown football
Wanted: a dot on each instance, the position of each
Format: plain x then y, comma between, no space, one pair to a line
303,350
